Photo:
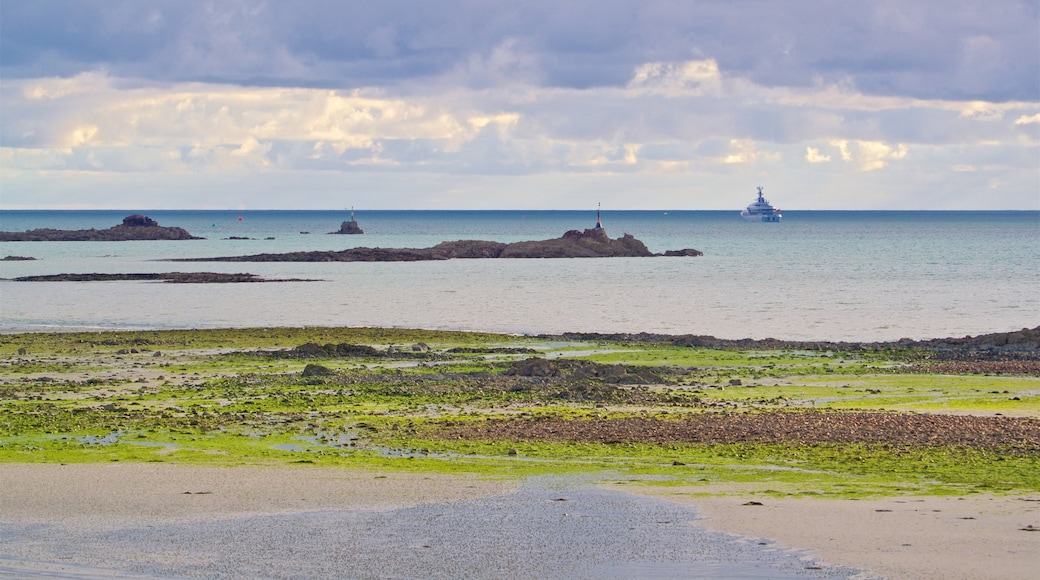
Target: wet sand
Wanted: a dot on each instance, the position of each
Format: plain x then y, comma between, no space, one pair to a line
163,520
136,520
110,496
949,538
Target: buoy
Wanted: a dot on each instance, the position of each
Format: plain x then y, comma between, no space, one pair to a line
239,218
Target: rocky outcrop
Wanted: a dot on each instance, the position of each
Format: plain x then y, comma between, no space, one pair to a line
174,277
18,258
349,228
1018,345
690,252
134,227
592,243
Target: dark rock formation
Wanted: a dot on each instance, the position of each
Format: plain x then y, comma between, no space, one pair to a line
349,228
342,350
582,370
592,243
1020,345
134,227
17,258
313,370
174,277
684,252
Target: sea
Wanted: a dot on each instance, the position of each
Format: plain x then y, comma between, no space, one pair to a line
817,275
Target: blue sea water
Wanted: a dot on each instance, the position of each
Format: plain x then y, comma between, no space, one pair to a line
818,275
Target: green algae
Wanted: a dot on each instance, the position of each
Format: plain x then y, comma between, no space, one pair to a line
216,397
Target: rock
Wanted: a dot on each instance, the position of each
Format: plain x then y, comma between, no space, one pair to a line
17,258
173,277
591,243
313,370
532,367
342,350
139,221
420,347
349,228
134,227
684,252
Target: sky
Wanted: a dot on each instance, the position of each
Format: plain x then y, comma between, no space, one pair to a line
481,104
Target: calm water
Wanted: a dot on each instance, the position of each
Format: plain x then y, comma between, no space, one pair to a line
818,275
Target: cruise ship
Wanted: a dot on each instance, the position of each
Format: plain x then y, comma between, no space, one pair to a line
761,211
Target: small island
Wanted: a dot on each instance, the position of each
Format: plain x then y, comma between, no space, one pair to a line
349,227
592,243
171,277
135,227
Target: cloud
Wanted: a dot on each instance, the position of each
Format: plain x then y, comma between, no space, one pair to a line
866,155
689,77
583,94
813,155
928,49
843,148
874,155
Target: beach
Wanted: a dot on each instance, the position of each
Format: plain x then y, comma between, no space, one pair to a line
331,452
897,537
910,537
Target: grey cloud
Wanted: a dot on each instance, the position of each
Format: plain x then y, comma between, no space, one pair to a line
966,50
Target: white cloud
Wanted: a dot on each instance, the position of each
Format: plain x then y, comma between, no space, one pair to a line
867,155
80,135
874,155
981,111
843,147
671,120
813,155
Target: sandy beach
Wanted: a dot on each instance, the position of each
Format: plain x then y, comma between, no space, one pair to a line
910,537
106,496
166,521
950,538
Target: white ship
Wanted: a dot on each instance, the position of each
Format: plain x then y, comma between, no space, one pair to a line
761,211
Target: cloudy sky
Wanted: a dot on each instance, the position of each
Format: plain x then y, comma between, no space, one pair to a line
476,104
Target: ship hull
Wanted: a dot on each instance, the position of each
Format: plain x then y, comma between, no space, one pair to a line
764,218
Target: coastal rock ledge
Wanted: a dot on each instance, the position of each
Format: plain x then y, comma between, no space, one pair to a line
592,243
134,227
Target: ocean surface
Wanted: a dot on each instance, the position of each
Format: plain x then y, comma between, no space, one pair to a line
818,275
